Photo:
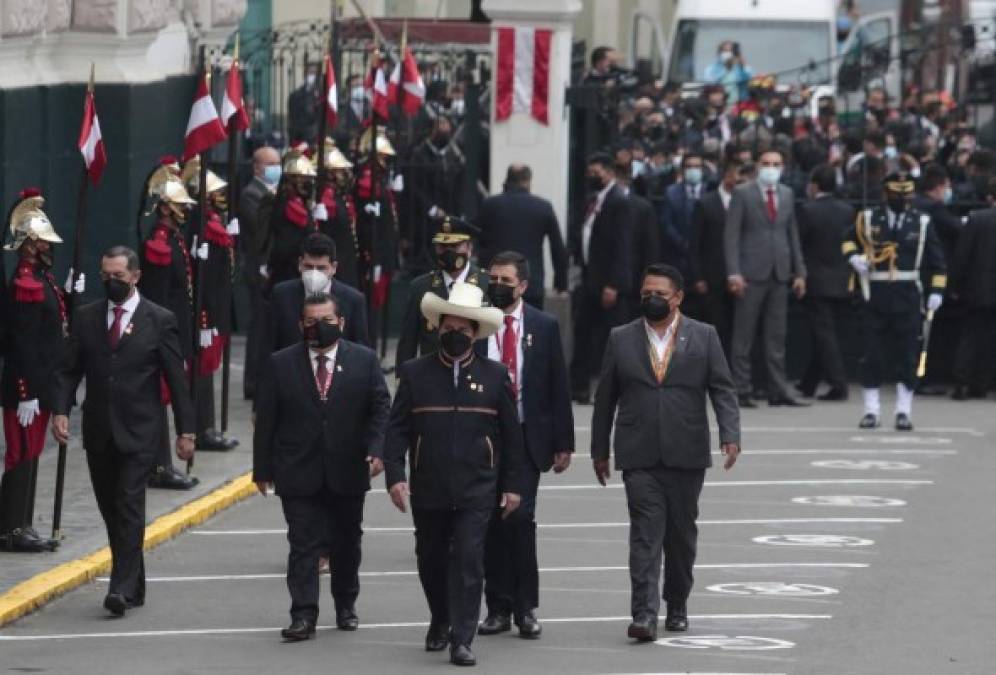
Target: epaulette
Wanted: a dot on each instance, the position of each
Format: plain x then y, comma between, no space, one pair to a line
157,249
27,288
216,233
296,212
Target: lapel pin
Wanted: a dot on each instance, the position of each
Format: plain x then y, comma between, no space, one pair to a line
529,339
128,329
480,388
473,386
338,368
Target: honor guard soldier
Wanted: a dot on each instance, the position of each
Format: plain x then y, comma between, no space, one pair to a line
453,248
33,344
455,419
167,280
895,252
214,321
291,221
335,212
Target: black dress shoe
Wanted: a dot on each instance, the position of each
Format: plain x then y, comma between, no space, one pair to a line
835,394
746,401
903,422
116,604
931,390
460,655
168,478
581,398
805,390
437,639
960,393
212,440
298,631
643,630
869,421
677,618
26,540
529,627
787,401
495,623
346,619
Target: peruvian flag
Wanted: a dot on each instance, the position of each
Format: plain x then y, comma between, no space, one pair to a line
331,93
376,86
204,128
91,143
406,87
523,73
233,102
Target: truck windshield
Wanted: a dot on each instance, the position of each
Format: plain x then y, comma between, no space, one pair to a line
767,47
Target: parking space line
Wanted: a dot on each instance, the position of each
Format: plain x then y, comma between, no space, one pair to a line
849,451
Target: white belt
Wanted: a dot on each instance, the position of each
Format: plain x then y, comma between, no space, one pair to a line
898,275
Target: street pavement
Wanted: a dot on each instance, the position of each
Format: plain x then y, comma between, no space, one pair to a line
825,550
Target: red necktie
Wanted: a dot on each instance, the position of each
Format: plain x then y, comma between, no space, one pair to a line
323,376
114,333
772,208
509,353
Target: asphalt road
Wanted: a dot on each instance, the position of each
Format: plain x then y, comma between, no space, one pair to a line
825,550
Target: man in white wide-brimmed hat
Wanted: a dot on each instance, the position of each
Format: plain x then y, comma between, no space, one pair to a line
454,412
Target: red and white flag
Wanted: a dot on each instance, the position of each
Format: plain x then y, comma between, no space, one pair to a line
331,93
91,143
406,87
376,86
204,128
523,73
233,103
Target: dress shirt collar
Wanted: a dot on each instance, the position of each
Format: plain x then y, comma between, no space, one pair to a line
461,277
313,354
655,337
129,306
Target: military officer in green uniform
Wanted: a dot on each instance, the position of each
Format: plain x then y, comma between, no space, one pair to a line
896,254
453,247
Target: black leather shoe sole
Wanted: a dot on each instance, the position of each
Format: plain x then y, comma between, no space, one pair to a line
676,625
297,636
642,632
530,631
350,623
746,402
462,656
116,604
869,422
833,395
172,480
436,640
217,445
492,626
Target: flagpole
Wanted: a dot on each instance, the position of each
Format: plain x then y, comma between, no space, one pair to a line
233,192
77,272
374,195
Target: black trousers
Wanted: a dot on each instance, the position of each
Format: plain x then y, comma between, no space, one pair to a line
204,417
974,363
826,362
592,324
511,569
449,545
17,496
716,307
892,335
119,481
315,523
663,506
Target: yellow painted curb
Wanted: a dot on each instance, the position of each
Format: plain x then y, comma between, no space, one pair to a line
39,589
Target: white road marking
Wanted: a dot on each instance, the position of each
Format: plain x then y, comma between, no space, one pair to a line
848,451
827,430
824,540
608,568
862,501
575,526
404,624
726,643
864,464
777,588
902,440
758,483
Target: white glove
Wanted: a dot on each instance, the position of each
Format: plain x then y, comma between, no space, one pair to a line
374,208
859,263
26,411
320,212
233,227
398,184
80,286
207,336
202,251
377,272
264,271
934,302
436,212
69,281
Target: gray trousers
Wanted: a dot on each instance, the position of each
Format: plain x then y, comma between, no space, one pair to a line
766,302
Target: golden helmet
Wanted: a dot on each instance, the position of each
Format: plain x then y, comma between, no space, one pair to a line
334,159
384,146
191,178
28,221
166,185
297,164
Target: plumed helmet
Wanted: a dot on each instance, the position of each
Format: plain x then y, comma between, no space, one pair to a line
29,222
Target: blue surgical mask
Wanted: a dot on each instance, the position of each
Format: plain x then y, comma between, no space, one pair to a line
271,174
769,175
693,176
948,195
891,152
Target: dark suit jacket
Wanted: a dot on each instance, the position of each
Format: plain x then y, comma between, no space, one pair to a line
663,424
285,314
646,238
519,221
676,222
123,386
547,415
757,248
302,443
610,251
255,206
706,257
973,277
823,224
32,341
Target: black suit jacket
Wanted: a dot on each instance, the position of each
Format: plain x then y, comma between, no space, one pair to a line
302,443
610,252
823,224
548,420
123,385
973,277
646,238
519,221
285,307
706,257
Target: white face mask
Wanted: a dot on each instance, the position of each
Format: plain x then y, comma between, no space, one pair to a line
356,94
310,79
726,57
458,106
315,282
769,175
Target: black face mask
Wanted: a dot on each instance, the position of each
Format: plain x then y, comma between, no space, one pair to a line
501,296
451,260
896,204
117,290
45,259
322,335
455,344
654,308
594,183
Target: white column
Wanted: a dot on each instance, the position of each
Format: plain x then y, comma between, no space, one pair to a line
521,139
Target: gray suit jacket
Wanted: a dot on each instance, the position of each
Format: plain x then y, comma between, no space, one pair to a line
756,248
663,424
